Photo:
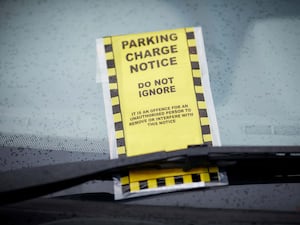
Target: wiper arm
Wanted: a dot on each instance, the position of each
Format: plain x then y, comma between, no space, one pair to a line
243,165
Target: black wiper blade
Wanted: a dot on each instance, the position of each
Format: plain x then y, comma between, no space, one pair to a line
244,165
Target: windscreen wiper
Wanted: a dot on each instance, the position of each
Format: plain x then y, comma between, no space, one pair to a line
243,165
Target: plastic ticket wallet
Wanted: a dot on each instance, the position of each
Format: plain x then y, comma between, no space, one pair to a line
157,98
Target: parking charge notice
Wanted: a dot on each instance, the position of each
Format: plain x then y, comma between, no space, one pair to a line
156,91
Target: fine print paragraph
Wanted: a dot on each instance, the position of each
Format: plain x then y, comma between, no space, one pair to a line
160,116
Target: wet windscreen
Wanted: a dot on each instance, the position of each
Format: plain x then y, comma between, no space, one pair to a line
49,98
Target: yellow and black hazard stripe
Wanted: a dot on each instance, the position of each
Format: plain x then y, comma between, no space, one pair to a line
196,71
114,94
139,180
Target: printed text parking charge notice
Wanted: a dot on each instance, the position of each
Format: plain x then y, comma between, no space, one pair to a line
152,58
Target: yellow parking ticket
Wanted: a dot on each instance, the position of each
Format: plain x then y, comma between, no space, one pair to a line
156,92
